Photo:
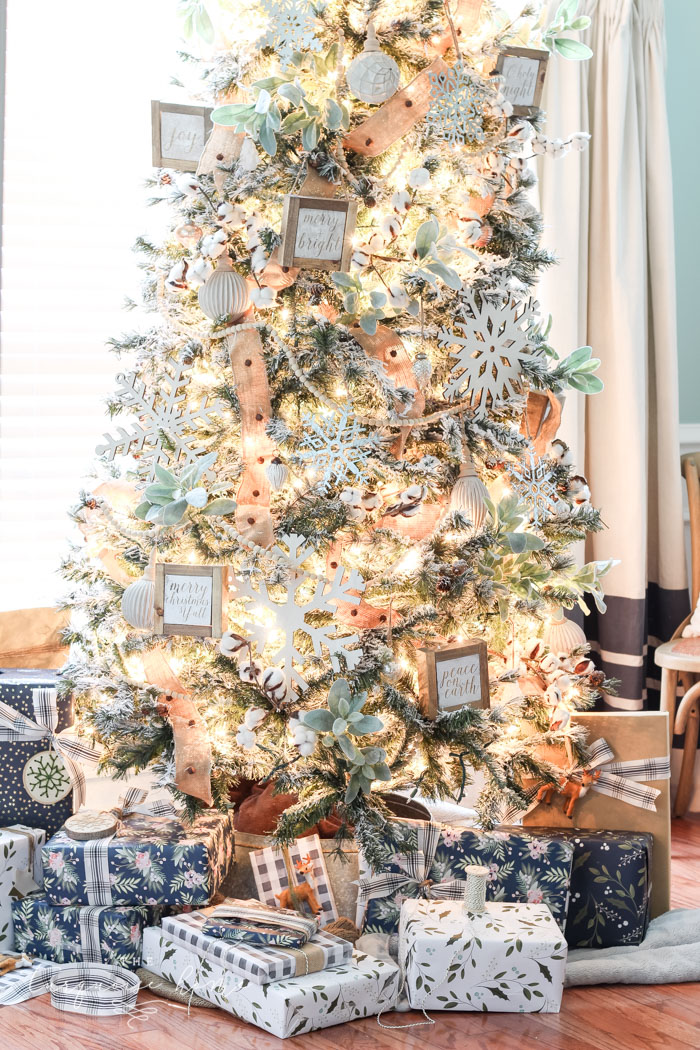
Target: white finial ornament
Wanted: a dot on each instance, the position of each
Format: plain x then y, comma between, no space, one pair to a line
138,600
224,293
372,76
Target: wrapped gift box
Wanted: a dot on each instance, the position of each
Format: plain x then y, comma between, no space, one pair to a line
510,959
271,878
73,934
359,988
151,860
261,965
610,900
640,746
20,867
523,869
16,805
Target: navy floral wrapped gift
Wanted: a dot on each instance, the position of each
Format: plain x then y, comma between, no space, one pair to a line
610,886
106,935
151,860
523,868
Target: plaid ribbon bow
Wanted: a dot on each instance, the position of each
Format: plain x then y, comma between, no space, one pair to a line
415,876
134,801
18,728
620,779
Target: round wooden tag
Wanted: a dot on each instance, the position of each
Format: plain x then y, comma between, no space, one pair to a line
90,824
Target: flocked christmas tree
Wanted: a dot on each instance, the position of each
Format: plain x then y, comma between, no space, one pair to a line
347,402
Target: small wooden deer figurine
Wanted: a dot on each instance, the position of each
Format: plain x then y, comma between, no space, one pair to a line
572,790
304,893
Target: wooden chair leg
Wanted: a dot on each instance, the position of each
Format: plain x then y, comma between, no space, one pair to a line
690,748
669,684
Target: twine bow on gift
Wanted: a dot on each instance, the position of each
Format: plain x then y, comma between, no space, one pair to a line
134,801
620,779
414,878
19,728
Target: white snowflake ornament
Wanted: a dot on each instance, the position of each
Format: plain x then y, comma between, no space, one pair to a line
491,350
532,479
457,105
276,616
336,449
291,27
167,425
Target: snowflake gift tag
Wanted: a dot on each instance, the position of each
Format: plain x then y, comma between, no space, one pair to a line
46,779
457,105
491,349
166,429
336,450
532,479
276,615
291,27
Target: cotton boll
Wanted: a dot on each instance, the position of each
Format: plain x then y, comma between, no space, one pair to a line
258,259
231,214
580,140
360,258
472,230
231,643
274,683
401,202
371,501
250,672
214,244
549,663
398,298
307,748
177,278
538,146
187,184
578,489
246,738
419,178
253,717
199,272
262,298
376,243
391,227
352,498
560,452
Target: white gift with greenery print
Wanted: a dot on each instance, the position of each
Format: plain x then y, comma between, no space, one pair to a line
360,988
20,863
510,959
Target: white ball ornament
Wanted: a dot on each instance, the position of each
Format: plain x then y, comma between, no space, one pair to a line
138,600
372,76
224,293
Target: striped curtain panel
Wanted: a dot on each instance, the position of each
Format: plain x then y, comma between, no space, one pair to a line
608,215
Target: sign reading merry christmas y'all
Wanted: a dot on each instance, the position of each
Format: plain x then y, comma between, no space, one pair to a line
189,599
452,677
317,232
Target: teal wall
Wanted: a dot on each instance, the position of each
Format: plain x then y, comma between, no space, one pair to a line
683,35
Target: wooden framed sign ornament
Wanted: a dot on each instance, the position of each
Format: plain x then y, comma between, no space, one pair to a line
523,70
190,599
317,232
453,676
179,133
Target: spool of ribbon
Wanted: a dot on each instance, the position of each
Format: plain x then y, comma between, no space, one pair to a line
414,878
19,728
80,988
475,889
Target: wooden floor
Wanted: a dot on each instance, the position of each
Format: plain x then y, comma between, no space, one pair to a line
604,1018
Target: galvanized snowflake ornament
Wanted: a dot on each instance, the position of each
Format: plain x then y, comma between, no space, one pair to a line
292,27
336,449
276,616
166,429
492,348
457,104
532,479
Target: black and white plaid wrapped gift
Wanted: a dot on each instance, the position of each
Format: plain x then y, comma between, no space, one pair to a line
271,879
261,965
